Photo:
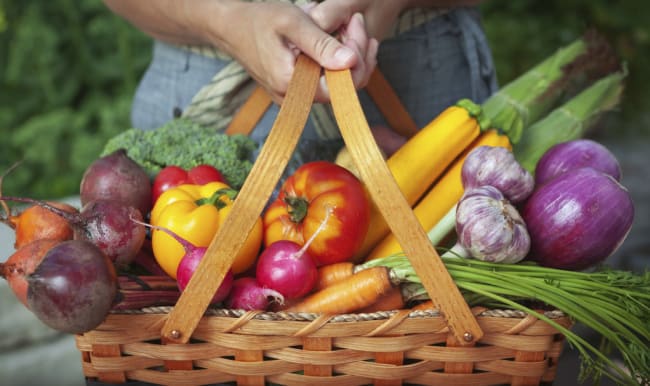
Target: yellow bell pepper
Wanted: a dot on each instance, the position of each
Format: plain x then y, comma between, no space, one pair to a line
195,213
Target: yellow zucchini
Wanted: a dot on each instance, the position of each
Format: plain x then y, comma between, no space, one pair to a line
424,157
444,194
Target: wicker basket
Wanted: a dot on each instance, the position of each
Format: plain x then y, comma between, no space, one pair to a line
192,344
384,348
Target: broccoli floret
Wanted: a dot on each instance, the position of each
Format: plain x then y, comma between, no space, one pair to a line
183,143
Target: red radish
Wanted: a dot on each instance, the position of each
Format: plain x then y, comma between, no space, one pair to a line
117,177
105,223
286,267
247,294
186,269
22,263
190,261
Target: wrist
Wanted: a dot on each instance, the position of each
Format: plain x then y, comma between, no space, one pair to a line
214,20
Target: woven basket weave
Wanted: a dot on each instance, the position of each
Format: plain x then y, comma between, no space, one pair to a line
383,348
192,344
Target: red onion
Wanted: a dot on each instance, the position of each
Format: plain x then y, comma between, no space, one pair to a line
489,228
577,219
573,155
497,166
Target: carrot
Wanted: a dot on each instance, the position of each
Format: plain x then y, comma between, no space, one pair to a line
333,273
353,293
392,300
425,305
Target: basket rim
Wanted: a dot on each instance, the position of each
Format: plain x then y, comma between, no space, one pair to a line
347,317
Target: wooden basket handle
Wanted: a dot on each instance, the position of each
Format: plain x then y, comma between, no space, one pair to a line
389,200
265,174
378,88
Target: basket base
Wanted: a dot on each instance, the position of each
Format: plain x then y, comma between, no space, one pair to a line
353,349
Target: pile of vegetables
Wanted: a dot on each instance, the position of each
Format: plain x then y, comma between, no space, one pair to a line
524,210
185,144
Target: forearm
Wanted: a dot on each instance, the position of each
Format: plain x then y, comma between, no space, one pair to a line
172,21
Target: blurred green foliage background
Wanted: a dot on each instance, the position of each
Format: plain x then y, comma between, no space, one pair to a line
68,70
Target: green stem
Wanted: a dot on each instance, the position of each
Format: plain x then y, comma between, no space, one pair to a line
585,297
574,340
443,227
297,208
215,198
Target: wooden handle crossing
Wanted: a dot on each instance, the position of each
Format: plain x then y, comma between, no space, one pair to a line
265,174
248,205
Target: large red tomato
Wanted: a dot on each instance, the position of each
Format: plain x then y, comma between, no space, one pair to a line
323,198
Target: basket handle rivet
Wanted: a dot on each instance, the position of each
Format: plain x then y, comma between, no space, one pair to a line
174,334
468,337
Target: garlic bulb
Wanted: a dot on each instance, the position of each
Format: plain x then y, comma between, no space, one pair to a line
497,166
489,227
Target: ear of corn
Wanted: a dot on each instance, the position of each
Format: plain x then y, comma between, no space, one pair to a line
442,197
425,156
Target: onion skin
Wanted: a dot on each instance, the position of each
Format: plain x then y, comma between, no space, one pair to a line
577,219
576,154
497,166
489,227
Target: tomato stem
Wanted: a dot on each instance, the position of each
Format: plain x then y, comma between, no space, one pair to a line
297,208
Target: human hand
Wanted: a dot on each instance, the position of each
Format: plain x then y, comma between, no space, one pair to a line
267,37
378,15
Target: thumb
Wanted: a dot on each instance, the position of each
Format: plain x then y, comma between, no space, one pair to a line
327,50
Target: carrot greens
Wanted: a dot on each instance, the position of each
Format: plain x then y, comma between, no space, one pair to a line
615,304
